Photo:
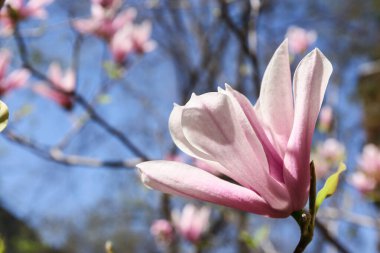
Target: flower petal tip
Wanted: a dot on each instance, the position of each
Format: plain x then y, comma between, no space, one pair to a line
144,177
284,44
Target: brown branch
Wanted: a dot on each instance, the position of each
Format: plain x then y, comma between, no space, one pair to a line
58,156
242,36
77,97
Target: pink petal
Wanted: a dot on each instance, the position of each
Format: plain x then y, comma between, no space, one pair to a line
188,181
17,79
124,18
215,125
68,81
58,97
5,56
55,74
176,131
274,107
310,81
86,26
274,160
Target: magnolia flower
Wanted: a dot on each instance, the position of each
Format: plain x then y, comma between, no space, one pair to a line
264,148
192,222
162,231
141,38
64,86
300,39
132,38
16,10
108,4
327,155
369,161
364,183
15,79
104,23
368,176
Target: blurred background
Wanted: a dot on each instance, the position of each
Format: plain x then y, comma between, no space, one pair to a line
90,86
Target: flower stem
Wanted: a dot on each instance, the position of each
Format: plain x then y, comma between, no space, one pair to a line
306,218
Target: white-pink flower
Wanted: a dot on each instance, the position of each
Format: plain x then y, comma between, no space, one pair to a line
264,148
141,38
367,177
13,80
192,222
131,38
108,4
63,86
369,161
363,182
162,231
327,155
103,22
17,10
300,39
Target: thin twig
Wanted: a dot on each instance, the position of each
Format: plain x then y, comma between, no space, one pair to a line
77,97
242,37
58,156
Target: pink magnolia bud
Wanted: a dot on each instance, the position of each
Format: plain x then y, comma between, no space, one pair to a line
162,231
63,86
104,23
192,222
327,155
300,39
108,4
362,182
369,161
17,10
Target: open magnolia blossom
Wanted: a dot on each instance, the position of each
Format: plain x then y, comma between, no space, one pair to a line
264,149
64,86
18,10
192,222
104,22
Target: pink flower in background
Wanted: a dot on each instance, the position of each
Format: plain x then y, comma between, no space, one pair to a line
369,161
162,231
141,38
104,23
364,183
108,4
328,155
131,39
17,10
326,118
192,223
64,86
267,155
367,177
121,44
300,39
15,79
